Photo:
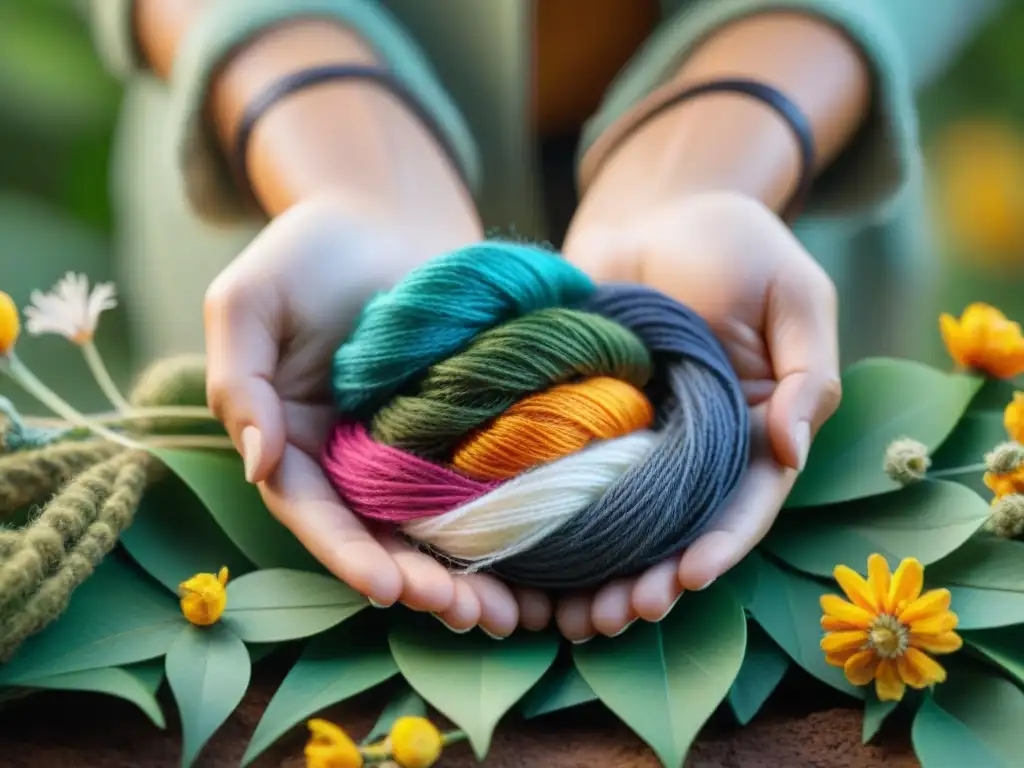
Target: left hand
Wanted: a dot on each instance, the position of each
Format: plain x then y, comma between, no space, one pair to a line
773,308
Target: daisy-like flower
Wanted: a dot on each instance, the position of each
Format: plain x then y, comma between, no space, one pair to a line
70,310
886,629
984,339
10,324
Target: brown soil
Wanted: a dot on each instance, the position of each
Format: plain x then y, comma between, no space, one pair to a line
802,727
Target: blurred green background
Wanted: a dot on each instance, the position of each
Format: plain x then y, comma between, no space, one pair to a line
60,111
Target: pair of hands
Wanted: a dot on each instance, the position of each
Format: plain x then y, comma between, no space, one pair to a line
276,315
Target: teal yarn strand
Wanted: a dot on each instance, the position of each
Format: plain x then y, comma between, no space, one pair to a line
499,368
439,308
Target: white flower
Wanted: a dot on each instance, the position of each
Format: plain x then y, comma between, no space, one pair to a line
70,309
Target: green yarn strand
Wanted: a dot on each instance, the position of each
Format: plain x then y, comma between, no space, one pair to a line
499,368
31,477
62,547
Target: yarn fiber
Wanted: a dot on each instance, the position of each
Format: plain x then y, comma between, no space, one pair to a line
506,414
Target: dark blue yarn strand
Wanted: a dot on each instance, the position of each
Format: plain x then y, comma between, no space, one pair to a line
662,505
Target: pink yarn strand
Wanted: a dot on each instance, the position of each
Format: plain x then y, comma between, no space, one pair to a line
385,483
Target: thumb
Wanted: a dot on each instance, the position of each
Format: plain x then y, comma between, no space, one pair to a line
242,352
802,337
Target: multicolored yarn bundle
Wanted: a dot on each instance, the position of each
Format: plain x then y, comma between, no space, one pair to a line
509,415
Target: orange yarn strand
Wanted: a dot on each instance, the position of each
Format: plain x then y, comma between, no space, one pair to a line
552,424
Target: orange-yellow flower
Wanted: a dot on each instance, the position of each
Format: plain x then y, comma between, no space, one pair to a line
887,629
415,742
203,597
10,324
1013,418
330,747
984,339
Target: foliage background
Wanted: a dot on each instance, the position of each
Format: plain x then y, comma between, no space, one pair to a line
60,113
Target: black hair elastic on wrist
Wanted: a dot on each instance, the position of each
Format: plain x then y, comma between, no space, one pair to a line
775,99
307,78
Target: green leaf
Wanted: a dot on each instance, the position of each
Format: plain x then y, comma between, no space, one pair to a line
563,687
208,670
334,667
665,680
278,604
875,713
927,521
1003,646
218,479
173,537
994,395
986,580
786,605
118,616
764,666
406,703
110,681
469,678
883,400
972,719
150,674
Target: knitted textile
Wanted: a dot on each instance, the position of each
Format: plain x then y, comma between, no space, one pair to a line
507,414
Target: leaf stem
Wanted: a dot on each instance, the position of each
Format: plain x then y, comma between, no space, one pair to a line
181,412
102,375
452,737
28,381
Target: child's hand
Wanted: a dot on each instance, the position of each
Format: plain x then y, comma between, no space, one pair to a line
274,319
774,309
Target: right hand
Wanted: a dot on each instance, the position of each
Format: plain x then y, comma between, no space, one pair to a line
274,318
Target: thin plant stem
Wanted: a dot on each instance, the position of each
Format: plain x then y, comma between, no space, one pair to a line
180,412
23,377
106,382
953,471
452,737
203,442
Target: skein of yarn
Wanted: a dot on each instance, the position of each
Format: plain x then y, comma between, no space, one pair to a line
509,415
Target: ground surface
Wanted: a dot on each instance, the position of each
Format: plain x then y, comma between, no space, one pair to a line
799,729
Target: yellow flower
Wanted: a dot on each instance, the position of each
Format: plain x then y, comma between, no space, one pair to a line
887,630
10,324
1013,418
203,597
415,742
330,747
984,339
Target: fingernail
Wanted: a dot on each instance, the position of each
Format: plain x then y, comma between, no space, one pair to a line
375,604
708,584
252,451
586,639
803,444
669,610
628,625
493,636
449,627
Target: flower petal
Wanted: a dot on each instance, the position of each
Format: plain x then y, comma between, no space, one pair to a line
947,642
860,667
953,338
931,603
909,674
840,659
906,583
837,642
848,614
856,588
936,625
888,684
879,578
927,668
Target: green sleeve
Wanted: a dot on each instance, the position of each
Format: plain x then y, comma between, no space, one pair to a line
906,42
202,170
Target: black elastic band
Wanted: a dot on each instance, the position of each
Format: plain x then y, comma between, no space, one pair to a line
773,98
306,78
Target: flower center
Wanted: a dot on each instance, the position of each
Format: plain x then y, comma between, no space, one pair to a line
888,637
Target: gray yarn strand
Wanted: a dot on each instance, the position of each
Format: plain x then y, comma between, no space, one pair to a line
663,504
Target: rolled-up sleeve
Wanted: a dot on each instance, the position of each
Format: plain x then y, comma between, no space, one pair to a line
207,180
904,41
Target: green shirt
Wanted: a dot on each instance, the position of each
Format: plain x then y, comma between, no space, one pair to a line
468,63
